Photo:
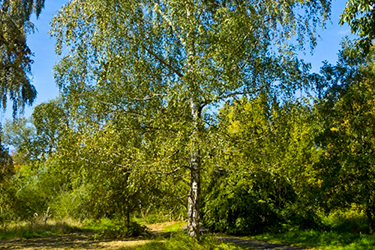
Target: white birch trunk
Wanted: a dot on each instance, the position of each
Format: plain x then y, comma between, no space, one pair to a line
195,157
195,165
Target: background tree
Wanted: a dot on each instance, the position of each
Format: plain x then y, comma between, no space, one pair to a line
346,116
21,135
171,61
6,172
265,177
360,16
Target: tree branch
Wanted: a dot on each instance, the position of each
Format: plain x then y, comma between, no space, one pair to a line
169,23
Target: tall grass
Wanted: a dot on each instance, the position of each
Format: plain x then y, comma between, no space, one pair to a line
36,228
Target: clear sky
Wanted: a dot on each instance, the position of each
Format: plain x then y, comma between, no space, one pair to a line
42,46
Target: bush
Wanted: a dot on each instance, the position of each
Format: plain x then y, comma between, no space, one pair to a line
249,204
122,231
352,220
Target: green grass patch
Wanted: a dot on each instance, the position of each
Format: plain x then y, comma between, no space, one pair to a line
96,225
176,227
321,240
180,241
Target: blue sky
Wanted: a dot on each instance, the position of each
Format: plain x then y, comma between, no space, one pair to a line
42,46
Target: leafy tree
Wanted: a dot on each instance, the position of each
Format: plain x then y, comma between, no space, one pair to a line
346,115
360,16
38,182
266,177
36,138
15,55
6,172
165,64
50,120
21,135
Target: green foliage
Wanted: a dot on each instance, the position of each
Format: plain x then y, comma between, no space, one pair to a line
7,172
122,231
360,16
143,80
321,240
345,136
266,181
21,134
350,220
248,203
36,138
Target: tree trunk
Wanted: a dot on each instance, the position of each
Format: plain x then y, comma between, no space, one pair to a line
371,219
127,215
194,195
195,154
195,165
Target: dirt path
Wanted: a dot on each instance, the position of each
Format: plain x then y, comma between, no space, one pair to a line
68,241
257,244
83,240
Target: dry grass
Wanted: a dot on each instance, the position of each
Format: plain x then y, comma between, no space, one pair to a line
159,227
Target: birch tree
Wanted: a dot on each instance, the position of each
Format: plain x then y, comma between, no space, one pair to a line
167,64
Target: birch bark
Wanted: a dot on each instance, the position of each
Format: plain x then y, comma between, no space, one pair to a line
195,155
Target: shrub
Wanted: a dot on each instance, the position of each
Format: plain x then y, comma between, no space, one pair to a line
351,220
249,204
122,231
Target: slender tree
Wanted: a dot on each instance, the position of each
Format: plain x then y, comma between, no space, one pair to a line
167,64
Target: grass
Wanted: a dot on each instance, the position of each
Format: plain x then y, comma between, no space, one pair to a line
34,228
96,225
180,241
321,240
175,227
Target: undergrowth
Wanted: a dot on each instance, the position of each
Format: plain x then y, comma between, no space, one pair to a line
321,240
120,231
343,230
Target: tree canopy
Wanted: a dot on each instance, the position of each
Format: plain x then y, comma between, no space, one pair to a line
164,64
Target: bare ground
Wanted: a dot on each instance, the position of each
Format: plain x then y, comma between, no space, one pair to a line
84,240
69,241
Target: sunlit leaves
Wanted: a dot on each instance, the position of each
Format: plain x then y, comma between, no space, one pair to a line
360,16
